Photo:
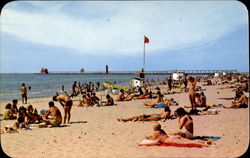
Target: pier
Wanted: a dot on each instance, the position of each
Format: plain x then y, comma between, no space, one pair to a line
167,72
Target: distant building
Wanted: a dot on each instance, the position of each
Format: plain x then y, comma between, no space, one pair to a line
44,71
136,82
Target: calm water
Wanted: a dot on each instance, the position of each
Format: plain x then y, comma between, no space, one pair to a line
48,85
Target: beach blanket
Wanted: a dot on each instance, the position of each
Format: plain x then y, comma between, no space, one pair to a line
147,142
159,106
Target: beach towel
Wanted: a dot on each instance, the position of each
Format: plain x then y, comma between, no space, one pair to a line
207,138
147,142
159,106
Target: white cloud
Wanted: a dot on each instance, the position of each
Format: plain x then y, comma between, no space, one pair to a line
119,27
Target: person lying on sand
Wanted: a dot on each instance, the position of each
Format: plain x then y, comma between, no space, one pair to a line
67,103
242,102
56,117
186,121
150,117
159,136
159,100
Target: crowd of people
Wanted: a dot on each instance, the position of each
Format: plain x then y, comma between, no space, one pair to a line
155,99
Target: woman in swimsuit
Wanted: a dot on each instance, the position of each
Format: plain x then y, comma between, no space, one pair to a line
152,117
191,93
184,121
159,136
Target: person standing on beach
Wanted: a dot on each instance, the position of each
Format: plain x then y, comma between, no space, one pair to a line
74,86
191,93
170,82
23,90
185,82
67,103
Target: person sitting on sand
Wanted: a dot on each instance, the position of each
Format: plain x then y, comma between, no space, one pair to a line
95,99
32,115
21,118
67,103
184,121
8,114
120,96
242,102
14,108
201,99
159,136
159,100
110,101
83,101
56,117
151,117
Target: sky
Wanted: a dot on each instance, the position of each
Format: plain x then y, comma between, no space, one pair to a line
68,35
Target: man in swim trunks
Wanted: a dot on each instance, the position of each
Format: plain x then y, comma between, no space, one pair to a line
67,103
23,90
55,113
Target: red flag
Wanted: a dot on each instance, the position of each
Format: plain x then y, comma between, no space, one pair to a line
146,40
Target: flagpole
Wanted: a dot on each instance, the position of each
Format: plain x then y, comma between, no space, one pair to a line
144,57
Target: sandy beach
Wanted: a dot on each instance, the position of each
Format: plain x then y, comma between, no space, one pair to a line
95,132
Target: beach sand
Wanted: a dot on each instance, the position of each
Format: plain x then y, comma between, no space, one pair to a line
95,132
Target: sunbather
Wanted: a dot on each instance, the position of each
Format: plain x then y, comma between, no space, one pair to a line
151,117
159,136
159,100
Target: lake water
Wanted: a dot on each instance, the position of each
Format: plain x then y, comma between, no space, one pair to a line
48,85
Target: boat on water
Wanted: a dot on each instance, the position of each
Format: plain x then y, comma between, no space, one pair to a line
114,86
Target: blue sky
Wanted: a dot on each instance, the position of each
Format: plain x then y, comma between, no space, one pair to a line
64,36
